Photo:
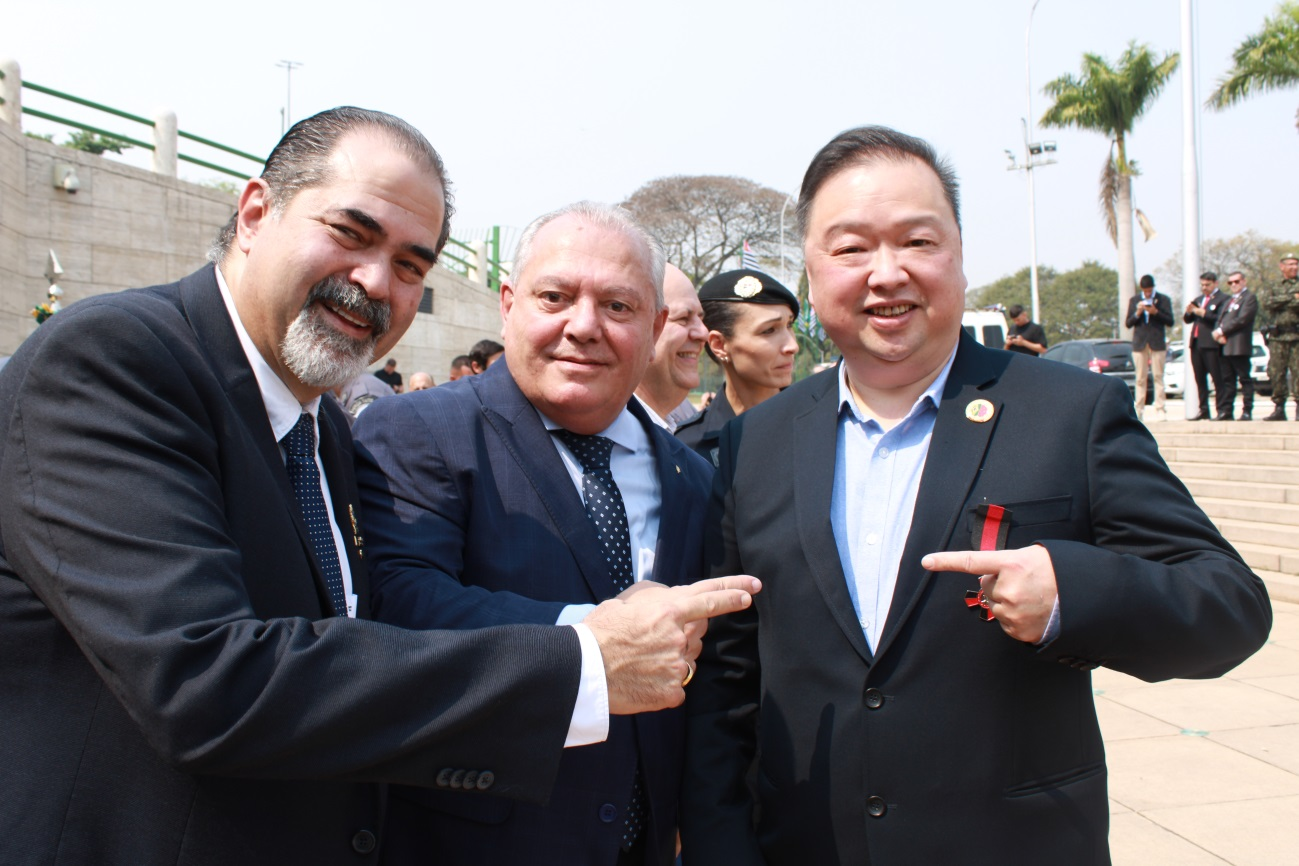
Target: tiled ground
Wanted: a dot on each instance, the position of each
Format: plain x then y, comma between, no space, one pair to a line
1207,772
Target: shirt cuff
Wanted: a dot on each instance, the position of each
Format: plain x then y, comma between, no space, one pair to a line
1052,625
572,614
590,723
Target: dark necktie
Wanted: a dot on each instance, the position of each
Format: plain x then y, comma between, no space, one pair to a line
605,507
300,450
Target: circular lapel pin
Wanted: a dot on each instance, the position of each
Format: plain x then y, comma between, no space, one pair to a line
979,411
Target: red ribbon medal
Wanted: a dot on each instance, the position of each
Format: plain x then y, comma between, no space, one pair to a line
991,526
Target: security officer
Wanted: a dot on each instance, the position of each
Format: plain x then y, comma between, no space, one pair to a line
1280,303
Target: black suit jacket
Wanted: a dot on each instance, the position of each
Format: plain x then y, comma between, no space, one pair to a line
1150,333
1200,334
473,520
1237,323
173,693
951,743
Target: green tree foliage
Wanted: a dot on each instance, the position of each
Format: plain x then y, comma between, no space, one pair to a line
91,142
1109,98
1075,304
1267,60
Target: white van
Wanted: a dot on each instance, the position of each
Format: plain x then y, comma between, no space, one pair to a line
987,327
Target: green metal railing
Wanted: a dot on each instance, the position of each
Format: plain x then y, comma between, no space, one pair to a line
458,256
135,118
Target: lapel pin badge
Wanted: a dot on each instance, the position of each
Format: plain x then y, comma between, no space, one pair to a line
979,411
357,541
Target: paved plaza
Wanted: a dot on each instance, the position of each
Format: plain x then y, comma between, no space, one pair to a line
1205,773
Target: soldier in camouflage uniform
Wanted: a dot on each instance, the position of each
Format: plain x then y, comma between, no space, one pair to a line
1279,303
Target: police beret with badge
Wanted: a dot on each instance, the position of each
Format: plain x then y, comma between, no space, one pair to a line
748,286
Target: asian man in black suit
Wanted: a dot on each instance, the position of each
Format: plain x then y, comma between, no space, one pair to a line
188,676
950,539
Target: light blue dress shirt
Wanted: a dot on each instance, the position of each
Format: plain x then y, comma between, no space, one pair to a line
876,479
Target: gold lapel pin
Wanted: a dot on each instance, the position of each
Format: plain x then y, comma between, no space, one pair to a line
979,411
357,541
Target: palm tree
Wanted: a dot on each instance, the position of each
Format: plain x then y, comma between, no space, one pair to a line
1109,99
1268,60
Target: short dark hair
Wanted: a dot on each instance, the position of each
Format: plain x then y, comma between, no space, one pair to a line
483,350
1209,275
301,160
1147,282
460,361
1015,311
391,362
867,144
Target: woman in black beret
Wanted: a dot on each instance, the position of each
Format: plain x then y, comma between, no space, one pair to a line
750,319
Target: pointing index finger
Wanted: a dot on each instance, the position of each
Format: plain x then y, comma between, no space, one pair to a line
967,561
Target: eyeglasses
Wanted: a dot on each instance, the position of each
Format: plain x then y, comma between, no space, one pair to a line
1234,282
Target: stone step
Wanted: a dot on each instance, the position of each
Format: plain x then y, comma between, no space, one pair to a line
1281,587
1263,557
1239,436
1232,488
1283,475
1219,455
1255,532
1254,512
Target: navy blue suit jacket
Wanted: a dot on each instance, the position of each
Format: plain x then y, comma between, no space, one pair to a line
472,520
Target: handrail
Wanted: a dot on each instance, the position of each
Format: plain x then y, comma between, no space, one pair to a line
495,270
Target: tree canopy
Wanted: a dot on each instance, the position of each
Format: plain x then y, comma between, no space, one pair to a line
704,220
1267,60
1252,254
1075,304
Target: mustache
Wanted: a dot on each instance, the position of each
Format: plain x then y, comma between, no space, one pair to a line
348,296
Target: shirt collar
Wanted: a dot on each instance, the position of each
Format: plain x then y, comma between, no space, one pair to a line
653,416
625,430
282,408
932,395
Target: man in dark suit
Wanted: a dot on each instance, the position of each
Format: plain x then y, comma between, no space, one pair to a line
476,502
1235,333
187,674
899,715
1150,314
1204,351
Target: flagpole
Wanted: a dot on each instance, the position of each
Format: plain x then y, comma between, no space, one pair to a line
1190,202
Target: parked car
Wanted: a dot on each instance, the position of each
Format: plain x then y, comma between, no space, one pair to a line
987,327
1110,357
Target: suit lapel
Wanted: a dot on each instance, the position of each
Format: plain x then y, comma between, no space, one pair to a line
813,491
956,452
207,314
519,427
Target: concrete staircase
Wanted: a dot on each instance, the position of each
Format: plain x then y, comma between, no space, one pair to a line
1245,475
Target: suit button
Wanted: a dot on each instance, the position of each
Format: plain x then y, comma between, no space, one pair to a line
874,698
457,777
444,777
363,842
608,812
469,781
485,779
876,806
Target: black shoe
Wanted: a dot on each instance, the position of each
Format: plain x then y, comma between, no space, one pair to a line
1278,414
1204,416
1245,416
1224,418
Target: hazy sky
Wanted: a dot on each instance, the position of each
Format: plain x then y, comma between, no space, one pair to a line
534,105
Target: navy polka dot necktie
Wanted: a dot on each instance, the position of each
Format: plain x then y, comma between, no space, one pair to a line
605,507
300,448
603,503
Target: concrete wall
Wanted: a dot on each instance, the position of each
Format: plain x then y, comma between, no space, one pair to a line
127,227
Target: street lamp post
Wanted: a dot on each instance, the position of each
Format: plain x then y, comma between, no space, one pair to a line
1035,155
286,116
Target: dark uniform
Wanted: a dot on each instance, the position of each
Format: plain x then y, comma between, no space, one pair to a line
1280,303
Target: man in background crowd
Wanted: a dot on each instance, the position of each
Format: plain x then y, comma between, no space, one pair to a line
1150,314
1280,302
389,376
1026,336
1205,352
674,371
460,367
1235,333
